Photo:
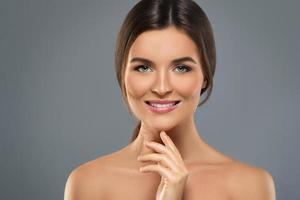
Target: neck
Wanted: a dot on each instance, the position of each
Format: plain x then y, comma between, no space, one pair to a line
184,136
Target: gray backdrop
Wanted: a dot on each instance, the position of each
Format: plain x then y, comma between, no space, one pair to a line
60,104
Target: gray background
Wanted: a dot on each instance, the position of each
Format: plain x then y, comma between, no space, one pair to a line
60,104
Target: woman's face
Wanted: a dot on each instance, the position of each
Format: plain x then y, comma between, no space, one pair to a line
158,77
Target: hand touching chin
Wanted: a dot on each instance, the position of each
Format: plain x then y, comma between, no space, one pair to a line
169,165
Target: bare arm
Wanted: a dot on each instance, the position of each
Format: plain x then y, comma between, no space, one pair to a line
71,187
255,184
265,186
80,185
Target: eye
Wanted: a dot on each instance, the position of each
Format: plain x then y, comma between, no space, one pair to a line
183,68
143,67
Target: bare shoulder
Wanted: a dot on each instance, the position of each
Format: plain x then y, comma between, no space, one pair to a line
88,180
249,182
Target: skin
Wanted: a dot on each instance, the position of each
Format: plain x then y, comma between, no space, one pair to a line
178,164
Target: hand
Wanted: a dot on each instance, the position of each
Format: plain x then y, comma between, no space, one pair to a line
169,165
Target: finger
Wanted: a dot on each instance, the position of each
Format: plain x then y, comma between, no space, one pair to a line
159,148
161,158
163,171
163,150
176,154
168,142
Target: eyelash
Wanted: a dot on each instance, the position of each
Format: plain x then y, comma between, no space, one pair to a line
187,68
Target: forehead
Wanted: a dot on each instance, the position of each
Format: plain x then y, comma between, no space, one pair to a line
162,45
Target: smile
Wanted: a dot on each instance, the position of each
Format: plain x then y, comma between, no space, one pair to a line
162,107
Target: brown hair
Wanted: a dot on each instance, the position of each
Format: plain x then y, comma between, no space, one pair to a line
185,15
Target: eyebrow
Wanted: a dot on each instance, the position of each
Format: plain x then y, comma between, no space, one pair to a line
175,61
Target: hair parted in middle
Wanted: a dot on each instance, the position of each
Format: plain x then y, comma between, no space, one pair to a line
185,15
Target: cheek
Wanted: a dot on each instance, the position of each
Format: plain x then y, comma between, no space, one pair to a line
189,86
136,86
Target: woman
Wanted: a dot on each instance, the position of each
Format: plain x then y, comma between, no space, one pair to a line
165,59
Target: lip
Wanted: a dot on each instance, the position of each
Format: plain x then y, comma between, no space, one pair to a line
162,101
162,110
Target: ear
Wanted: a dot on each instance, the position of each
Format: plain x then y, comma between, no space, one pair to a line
204,84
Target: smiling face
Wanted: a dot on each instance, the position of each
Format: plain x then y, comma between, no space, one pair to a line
155,71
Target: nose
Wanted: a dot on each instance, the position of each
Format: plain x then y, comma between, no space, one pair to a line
162,85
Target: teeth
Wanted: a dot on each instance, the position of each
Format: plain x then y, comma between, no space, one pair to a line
162,105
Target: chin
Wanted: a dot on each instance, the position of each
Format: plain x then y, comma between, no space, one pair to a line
161,125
